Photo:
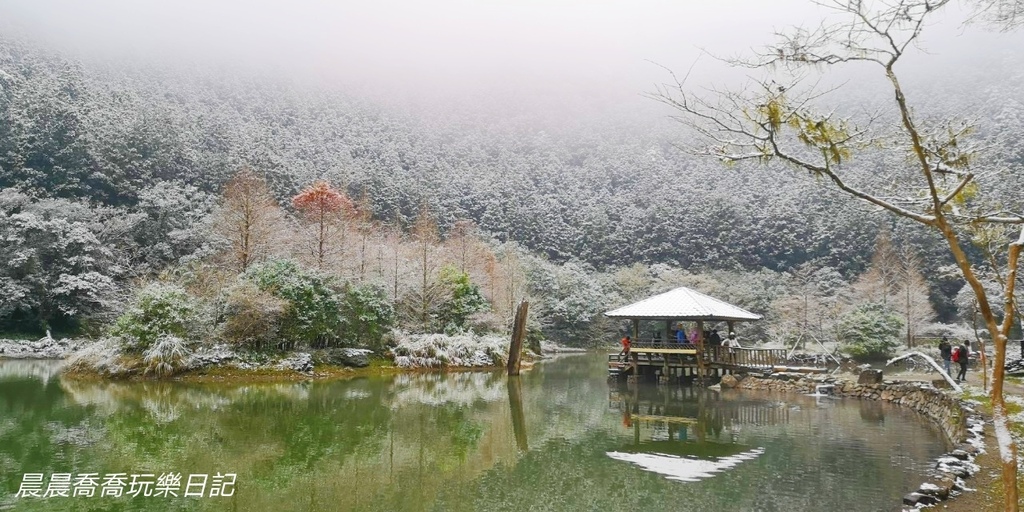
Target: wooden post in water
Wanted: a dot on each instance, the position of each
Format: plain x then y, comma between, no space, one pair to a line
515,350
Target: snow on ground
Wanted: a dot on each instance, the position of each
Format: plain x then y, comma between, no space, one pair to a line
1019,400
441,350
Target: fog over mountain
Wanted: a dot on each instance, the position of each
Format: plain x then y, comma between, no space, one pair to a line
528,118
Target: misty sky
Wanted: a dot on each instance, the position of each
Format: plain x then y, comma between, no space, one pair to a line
448,46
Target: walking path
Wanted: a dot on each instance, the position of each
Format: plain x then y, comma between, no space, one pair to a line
987,495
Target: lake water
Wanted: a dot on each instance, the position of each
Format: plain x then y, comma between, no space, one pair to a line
559,438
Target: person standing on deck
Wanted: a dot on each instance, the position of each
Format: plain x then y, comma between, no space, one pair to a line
946,352
715,339
626,342
680,334
732,343
963,358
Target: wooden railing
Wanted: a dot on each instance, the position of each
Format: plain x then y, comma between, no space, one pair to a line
662,345
748,357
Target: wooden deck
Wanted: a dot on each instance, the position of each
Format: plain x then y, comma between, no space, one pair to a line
686,361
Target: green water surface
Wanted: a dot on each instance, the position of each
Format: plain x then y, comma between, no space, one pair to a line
558,438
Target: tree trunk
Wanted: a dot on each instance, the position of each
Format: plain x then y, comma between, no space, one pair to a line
1007,447
515,350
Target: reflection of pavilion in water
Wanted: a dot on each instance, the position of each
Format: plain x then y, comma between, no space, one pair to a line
688,433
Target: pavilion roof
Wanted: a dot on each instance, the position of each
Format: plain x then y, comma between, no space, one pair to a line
683,304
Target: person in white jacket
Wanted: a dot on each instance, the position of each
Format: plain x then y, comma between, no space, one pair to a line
732,343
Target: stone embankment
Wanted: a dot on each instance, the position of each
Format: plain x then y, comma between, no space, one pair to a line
955,418
45,348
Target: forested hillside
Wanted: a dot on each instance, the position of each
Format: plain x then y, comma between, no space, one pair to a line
121,167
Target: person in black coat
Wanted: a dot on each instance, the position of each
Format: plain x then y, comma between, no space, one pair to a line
946,352
715,339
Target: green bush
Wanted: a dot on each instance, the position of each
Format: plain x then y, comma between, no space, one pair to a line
870,332
369,315
313,314
158,310
252,317
464,299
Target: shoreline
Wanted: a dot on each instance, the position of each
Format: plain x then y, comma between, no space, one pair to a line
224,364
234,375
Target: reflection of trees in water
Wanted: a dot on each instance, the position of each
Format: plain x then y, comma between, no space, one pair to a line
838,447
443,388
515,402
37,430
419,431
43,370
421,441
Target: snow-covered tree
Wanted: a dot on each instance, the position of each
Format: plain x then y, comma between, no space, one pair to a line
249,218
60,267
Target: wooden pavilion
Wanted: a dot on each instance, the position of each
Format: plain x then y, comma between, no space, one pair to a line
659,356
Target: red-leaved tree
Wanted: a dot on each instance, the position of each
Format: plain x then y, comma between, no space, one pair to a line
322,205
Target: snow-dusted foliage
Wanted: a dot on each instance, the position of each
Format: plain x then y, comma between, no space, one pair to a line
59,265
165,356
312,316
568,193
103,357
159,311
442,350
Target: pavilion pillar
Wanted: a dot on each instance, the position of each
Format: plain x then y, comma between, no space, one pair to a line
667,337
733,353
636,330
701,363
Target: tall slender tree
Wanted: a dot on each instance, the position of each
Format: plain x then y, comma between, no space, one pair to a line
367,229
911,294
426,237
249,218
933,178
